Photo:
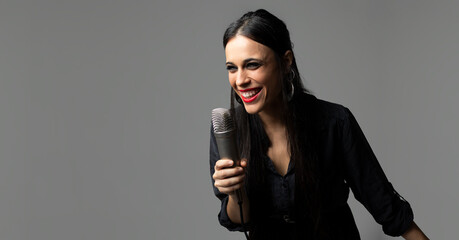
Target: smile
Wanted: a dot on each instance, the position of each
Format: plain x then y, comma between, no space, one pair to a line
249,95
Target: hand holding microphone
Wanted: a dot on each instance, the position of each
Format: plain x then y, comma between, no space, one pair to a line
229,179
229,171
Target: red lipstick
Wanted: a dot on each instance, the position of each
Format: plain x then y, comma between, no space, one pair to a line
250,94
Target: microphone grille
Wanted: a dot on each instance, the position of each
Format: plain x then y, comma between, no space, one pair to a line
221,120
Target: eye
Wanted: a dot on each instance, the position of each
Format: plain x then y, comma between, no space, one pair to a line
231,68
253,65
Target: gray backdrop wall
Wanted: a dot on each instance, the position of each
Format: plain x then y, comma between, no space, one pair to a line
104,109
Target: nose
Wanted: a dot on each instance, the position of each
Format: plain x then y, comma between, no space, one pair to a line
242,78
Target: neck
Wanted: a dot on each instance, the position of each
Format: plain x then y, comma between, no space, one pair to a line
272,120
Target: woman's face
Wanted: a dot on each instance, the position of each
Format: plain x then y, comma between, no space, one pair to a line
253,73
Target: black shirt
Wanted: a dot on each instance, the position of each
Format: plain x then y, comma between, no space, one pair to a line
347,161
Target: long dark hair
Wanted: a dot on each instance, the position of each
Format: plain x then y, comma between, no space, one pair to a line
265,28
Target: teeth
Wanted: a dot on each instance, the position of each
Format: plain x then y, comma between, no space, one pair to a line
250,94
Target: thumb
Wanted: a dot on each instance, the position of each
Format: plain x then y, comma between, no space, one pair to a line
244,162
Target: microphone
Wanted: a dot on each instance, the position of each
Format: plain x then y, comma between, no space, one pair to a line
225,135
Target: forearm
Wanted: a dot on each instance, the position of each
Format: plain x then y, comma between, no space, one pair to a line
233,208
414,233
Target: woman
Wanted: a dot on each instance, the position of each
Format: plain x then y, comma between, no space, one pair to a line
300,154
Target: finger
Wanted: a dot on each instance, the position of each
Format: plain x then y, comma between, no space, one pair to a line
229,182
227,173
230,189
244,162
223,163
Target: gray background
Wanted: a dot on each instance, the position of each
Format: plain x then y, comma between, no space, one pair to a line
105,109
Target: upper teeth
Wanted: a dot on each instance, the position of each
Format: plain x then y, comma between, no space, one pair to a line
250,93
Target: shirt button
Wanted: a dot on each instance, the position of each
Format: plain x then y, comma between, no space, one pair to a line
287,219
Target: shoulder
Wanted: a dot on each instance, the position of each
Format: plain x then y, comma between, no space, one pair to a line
325,111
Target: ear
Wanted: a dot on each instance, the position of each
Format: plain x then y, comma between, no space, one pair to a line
288,59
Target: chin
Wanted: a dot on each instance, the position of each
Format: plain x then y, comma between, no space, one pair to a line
250,109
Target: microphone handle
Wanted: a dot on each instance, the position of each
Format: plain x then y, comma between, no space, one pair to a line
227,148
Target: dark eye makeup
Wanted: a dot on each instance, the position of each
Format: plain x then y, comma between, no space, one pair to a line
230,67
253,65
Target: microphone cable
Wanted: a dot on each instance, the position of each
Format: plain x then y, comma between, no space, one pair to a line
239,202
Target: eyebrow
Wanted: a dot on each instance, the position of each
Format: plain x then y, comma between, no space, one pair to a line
246,61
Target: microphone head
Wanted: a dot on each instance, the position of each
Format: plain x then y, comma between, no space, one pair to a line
222,121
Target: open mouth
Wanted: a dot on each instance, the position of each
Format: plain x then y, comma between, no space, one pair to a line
249,95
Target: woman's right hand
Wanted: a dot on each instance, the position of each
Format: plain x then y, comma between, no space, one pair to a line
227,178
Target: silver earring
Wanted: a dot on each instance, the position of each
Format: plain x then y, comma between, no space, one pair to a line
292,93
291,83
293,74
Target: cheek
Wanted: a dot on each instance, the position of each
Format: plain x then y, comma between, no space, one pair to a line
265,79
232,80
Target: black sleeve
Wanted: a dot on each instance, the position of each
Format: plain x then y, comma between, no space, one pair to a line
369,183
223,215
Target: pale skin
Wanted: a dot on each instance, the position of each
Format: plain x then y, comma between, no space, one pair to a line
253,65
